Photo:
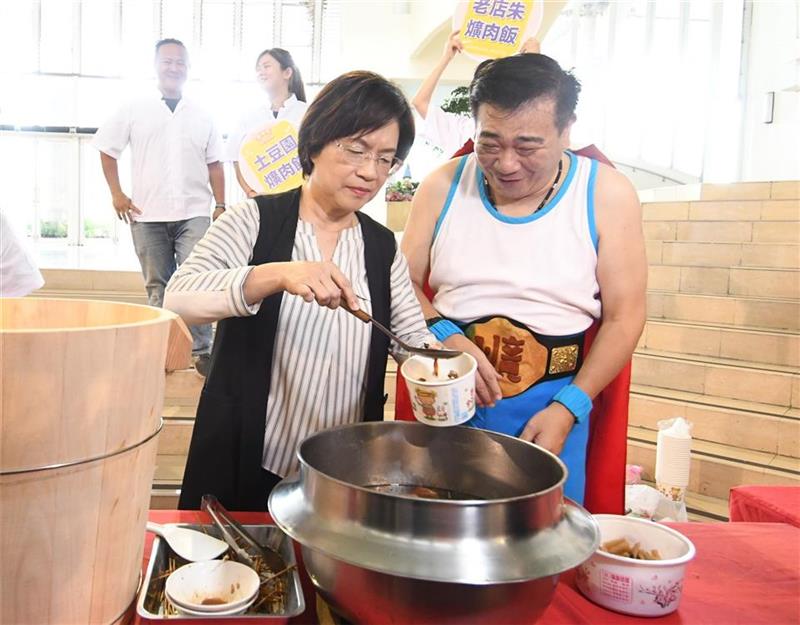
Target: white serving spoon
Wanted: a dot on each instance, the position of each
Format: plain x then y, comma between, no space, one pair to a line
189,544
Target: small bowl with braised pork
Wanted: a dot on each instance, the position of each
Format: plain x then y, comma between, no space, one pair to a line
639,567
442,390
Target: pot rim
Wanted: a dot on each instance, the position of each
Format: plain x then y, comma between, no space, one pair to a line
452,502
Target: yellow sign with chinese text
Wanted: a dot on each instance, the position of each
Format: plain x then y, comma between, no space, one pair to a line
268,159
492,29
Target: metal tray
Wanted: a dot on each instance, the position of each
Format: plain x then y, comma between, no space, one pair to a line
159,558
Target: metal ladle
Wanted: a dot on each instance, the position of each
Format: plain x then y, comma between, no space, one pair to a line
422,351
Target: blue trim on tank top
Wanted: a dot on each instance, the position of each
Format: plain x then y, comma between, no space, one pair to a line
573,162
590,203
450,194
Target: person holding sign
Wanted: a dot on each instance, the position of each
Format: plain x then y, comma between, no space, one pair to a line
449,131
272,271
560,245
278,75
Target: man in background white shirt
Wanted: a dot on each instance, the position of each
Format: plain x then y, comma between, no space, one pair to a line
175,154
18,273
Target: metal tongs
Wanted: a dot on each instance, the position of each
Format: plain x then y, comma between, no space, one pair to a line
230,527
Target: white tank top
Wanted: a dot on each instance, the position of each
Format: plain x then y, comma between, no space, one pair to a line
539,270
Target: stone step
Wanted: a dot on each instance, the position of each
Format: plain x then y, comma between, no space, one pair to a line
761,211
706,509
754,345
739,311
724,231
775,190
705,254
164,497
93,280
110,296
718,377
739,281
715,468
747,425
788,189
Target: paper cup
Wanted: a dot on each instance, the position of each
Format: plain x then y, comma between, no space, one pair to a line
441,400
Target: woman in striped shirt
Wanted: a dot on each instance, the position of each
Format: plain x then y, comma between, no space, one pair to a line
283,367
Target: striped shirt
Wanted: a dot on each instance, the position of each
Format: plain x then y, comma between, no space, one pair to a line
321,355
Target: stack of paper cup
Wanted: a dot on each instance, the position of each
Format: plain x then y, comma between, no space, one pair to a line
673,457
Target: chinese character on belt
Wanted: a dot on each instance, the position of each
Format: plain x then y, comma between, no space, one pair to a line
296,163
491,32
508,34
481,7
516,11
275,152
288,144
499,8
510,358
491,352
474,29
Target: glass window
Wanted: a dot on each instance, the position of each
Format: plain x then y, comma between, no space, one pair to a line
17,157
297,32
177,21
57,179
258,21
216,55
100,49
17,38
56,43
139,36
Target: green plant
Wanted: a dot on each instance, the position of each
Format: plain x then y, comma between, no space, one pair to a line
457,102
96,229
53,229
401,191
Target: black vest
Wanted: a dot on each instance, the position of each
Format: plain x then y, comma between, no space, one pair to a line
228,438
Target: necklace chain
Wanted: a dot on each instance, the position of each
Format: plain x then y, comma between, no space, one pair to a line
547,195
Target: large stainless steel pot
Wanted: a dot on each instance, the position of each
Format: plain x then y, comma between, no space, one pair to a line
382,557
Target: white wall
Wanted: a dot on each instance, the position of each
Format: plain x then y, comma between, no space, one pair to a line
772,151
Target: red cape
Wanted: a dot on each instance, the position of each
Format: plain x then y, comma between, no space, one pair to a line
608,432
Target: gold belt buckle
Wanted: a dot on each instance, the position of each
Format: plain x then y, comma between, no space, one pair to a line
516,354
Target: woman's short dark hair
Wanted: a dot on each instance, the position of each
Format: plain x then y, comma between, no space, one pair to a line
285,60
354,104
511,82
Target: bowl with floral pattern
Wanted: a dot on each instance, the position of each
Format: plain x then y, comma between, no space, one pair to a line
645,576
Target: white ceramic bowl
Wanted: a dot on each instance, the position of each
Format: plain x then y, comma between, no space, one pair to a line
640,587
230,585
232,612
441,400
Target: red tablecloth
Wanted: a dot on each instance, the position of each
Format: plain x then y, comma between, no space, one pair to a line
744,573
765,504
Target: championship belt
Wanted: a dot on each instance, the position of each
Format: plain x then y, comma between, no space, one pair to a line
522,357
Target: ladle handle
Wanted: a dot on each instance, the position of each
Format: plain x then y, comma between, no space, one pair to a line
361,315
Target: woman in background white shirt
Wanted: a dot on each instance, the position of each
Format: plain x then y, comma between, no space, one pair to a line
278,75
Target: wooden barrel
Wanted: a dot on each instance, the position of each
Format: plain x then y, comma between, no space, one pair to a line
82,388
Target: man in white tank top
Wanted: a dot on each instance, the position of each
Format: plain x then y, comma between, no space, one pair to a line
526,245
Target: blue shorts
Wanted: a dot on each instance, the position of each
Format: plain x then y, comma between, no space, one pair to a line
510,415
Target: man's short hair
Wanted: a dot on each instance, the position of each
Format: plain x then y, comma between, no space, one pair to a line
511,82
167,41
354,104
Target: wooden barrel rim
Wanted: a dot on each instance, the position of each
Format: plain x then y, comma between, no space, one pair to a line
75,463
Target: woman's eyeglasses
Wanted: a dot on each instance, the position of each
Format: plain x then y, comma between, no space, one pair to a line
355,156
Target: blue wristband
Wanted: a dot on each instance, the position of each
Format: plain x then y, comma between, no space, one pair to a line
444,328
574,399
